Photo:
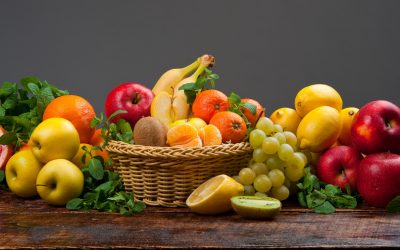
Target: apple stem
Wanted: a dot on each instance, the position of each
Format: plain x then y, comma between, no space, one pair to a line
136,99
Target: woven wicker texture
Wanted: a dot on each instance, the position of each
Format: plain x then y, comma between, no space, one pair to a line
165,176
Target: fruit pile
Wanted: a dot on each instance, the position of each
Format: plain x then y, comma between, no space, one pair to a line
318,152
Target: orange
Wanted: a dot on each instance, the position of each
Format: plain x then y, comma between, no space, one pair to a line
210,135
252,118
208,103
77,110
98,140
231,125
346,120
183,135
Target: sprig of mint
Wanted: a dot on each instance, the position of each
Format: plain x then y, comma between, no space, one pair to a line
103,189
192,89
22,106
236,105
394,205
121,130
321,197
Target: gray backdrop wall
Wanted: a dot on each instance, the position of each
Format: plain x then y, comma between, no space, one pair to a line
266,50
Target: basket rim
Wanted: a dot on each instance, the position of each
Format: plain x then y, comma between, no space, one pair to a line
223,150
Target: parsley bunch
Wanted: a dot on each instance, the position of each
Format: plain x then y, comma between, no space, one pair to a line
22,106
323,198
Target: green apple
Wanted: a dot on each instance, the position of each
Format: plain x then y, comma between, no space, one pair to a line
21,172
59,181
54,138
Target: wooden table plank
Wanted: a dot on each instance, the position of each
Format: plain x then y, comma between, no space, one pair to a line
34,224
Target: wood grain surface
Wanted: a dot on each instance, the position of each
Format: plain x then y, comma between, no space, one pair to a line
34,224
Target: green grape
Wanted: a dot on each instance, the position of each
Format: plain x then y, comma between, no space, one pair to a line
266,125
259,168
259,155
246,176
260,194
297,161
277,177
302,155
291,138
262,183
251,162
281,193
285,152
280,137
294,173
308,155
270,145
278,128
249,190
275,163
236,178
256,138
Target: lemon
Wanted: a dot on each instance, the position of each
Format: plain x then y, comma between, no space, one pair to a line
319,129
287,118
317,95
346,119
198,123
214,195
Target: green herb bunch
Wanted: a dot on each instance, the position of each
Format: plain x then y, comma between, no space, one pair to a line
103,189
22,106
321,197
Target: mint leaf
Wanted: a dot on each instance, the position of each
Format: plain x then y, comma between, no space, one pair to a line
8,138
251,107
7,89
96,169
234,99
74,204
394,205
325,208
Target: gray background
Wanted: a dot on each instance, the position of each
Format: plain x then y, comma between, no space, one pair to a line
266,50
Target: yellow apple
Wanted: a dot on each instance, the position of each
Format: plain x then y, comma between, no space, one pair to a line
54,138
169,108
21,172
59,181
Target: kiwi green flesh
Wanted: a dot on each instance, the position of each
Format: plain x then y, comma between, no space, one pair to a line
254,207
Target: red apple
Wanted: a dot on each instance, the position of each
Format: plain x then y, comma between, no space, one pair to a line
379,178
132,97
6,151
376,128
339,166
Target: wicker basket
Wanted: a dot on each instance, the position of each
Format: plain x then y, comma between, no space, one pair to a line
165,176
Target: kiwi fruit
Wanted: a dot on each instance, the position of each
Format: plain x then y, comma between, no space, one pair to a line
150,131
256,207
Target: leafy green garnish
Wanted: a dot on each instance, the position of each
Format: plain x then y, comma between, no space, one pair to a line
394,205
103,189
192,89
323,198
121,130
22,106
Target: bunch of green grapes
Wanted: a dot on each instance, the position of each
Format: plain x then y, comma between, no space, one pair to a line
276,166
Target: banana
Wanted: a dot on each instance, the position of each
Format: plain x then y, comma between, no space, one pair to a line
170,78
205,61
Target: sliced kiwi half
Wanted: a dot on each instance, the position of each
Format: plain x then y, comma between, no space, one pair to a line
256,207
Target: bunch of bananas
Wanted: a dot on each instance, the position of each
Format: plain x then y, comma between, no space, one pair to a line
170,103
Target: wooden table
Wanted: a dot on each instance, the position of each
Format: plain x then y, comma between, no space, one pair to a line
34,224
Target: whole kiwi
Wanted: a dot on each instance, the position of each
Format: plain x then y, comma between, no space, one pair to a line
150,131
